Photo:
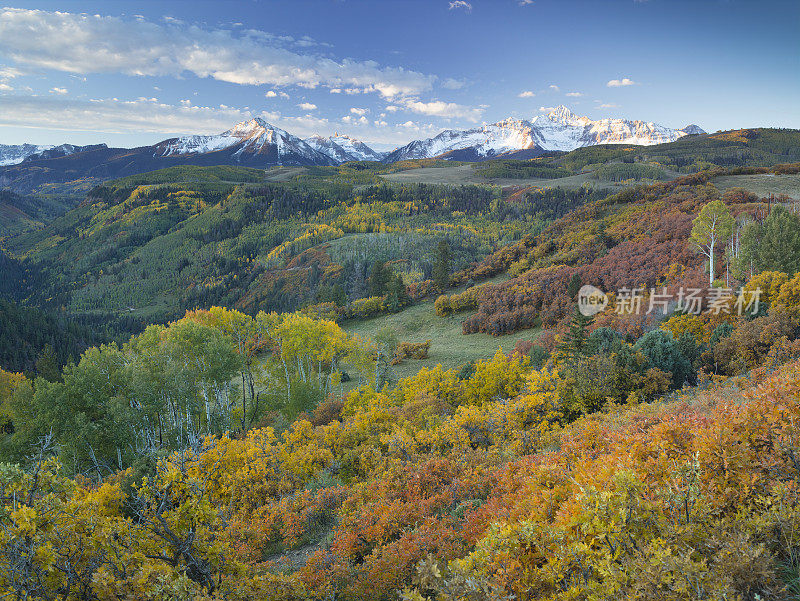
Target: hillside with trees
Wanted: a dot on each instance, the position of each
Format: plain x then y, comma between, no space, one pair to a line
191,406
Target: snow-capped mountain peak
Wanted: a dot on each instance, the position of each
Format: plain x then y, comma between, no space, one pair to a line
15,154
692,130
257,143
342,148
558,129
563,115
253,128
252,141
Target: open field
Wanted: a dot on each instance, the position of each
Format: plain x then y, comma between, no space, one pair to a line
466,174
449,347
282,174
763,184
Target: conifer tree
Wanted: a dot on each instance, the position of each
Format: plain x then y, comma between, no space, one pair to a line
573,345
441,269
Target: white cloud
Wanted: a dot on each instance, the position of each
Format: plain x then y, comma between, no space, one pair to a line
392,108
9,73
608,106
152,117
358,111
349,119
307,106
618,83
574,94
546,109
438,108
453,84
104,44
112,115
302,126
525,2
59,91
460,4
526,94
554,87
274,94
352,91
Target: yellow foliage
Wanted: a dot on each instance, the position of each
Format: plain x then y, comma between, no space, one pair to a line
769,282
701,326
788,299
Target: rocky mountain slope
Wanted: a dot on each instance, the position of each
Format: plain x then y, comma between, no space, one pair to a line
342,148
256,143
560,130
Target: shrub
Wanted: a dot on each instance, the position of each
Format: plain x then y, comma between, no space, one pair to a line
448,304
365,307
411,350
662,351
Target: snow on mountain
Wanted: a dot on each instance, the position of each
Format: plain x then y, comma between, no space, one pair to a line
257,143
342,148
245,141
560,129
485,141
692,130
15,154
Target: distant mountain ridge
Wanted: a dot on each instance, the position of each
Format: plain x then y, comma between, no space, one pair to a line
13,154
257,143
248,140
560,130
342,148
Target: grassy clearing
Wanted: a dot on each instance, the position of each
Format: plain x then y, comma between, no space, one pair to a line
283,174
449,347
466,174
763,184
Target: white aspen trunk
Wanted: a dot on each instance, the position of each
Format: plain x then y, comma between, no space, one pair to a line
288,382
711,261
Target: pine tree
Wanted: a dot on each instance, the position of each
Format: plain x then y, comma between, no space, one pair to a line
398,297
47,365
441,269
573,345
379,279
574,286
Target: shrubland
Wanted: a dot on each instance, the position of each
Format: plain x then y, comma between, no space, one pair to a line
264,451
488,483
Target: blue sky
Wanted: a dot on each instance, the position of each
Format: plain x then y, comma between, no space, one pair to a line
130,73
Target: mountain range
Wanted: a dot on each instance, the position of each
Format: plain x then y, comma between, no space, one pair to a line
256,143
13,154
560,130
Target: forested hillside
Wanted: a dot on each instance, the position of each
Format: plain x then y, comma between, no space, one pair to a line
156,249
204,392
176,464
